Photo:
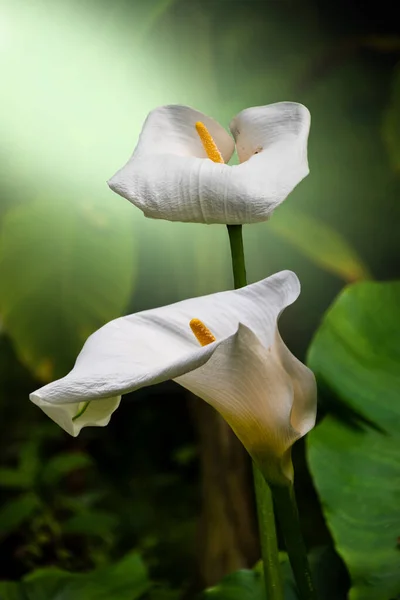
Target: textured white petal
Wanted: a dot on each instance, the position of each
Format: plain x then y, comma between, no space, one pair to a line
304,409
271,142
95,414
156,345
173,181
268,129
253,389
171,130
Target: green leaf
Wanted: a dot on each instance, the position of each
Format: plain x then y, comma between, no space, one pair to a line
320,243
63,464
242,585
13,478
29,457
249,585
354,453
329,575
125,580
11,591
16,512
64,270
92,523
46,584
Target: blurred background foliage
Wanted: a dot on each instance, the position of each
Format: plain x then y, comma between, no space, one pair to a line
78,79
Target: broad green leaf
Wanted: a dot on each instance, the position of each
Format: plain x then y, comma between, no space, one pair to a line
63,464
16,512
320,243
125,580
354,453
65,270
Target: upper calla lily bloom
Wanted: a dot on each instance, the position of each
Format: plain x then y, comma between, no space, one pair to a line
238,364
178,170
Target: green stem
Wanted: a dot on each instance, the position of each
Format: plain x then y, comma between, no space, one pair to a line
265,509
288,518
268,541
237,253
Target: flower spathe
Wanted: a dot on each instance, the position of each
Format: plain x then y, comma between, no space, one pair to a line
169,175
266,395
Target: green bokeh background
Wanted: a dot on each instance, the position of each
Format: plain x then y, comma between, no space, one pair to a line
78,79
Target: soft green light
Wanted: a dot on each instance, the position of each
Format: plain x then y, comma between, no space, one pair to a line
60,105
78,82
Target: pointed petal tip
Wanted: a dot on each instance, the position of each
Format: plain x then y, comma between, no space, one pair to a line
111,182
118,184
97,414
289,281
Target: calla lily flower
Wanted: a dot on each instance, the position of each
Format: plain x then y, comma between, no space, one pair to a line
241,367
171,174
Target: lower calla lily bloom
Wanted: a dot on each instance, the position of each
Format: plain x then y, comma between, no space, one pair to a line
178,172
225,348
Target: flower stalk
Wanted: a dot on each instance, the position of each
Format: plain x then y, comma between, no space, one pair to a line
268,539
237,254
268,497
265,508
288,518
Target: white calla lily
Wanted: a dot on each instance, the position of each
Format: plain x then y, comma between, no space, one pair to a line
266,395
170,176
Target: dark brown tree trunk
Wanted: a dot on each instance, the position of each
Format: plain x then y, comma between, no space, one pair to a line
227,538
